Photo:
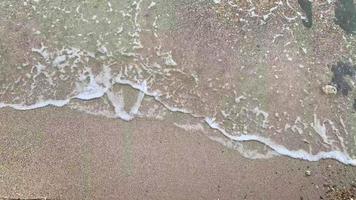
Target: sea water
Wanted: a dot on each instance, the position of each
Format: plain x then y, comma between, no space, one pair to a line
247,75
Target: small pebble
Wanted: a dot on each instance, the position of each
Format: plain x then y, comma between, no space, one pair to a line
329,89
308,173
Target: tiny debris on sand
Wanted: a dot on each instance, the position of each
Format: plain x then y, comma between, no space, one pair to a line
329,89
308,173
344,193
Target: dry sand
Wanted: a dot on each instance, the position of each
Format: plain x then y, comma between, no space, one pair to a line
63,154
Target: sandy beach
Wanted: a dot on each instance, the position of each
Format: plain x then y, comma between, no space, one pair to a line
175,99
60,154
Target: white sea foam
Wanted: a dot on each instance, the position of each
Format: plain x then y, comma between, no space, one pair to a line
190,127
93,90
75,63
56,103
117,101
236,145
282,150
135,108
59,60
320,129
250,154
101,85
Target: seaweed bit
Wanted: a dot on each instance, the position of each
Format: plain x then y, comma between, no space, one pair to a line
341,70
307,7
345,14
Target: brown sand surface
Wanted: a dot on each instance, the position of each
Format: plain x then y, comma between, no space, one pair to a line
64,154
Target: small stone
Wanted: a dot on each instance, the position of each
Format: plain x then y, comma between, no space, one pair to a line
308,173
329,89
353,183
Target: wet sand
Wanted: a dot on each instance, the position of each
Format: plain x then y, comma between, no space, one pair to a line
63,154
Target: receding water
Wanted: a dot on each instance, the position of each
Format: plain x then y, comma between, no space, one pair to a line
248,75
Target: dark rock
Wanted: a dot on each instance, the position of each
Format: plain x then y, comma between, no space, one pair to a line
307,7
345,14
341,70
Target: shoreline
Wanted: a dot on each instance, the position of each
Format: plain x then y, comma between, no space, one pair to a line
67,154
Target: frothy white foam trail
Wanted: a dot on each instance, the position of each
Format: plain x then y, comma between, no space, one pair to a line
190,127
142,87
298,154
137,105
320,129
138,86
118,102
56,103
93,90
235,145
250,154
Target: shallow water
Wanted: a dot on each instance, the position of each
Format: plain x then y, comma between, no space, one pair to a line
248,75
